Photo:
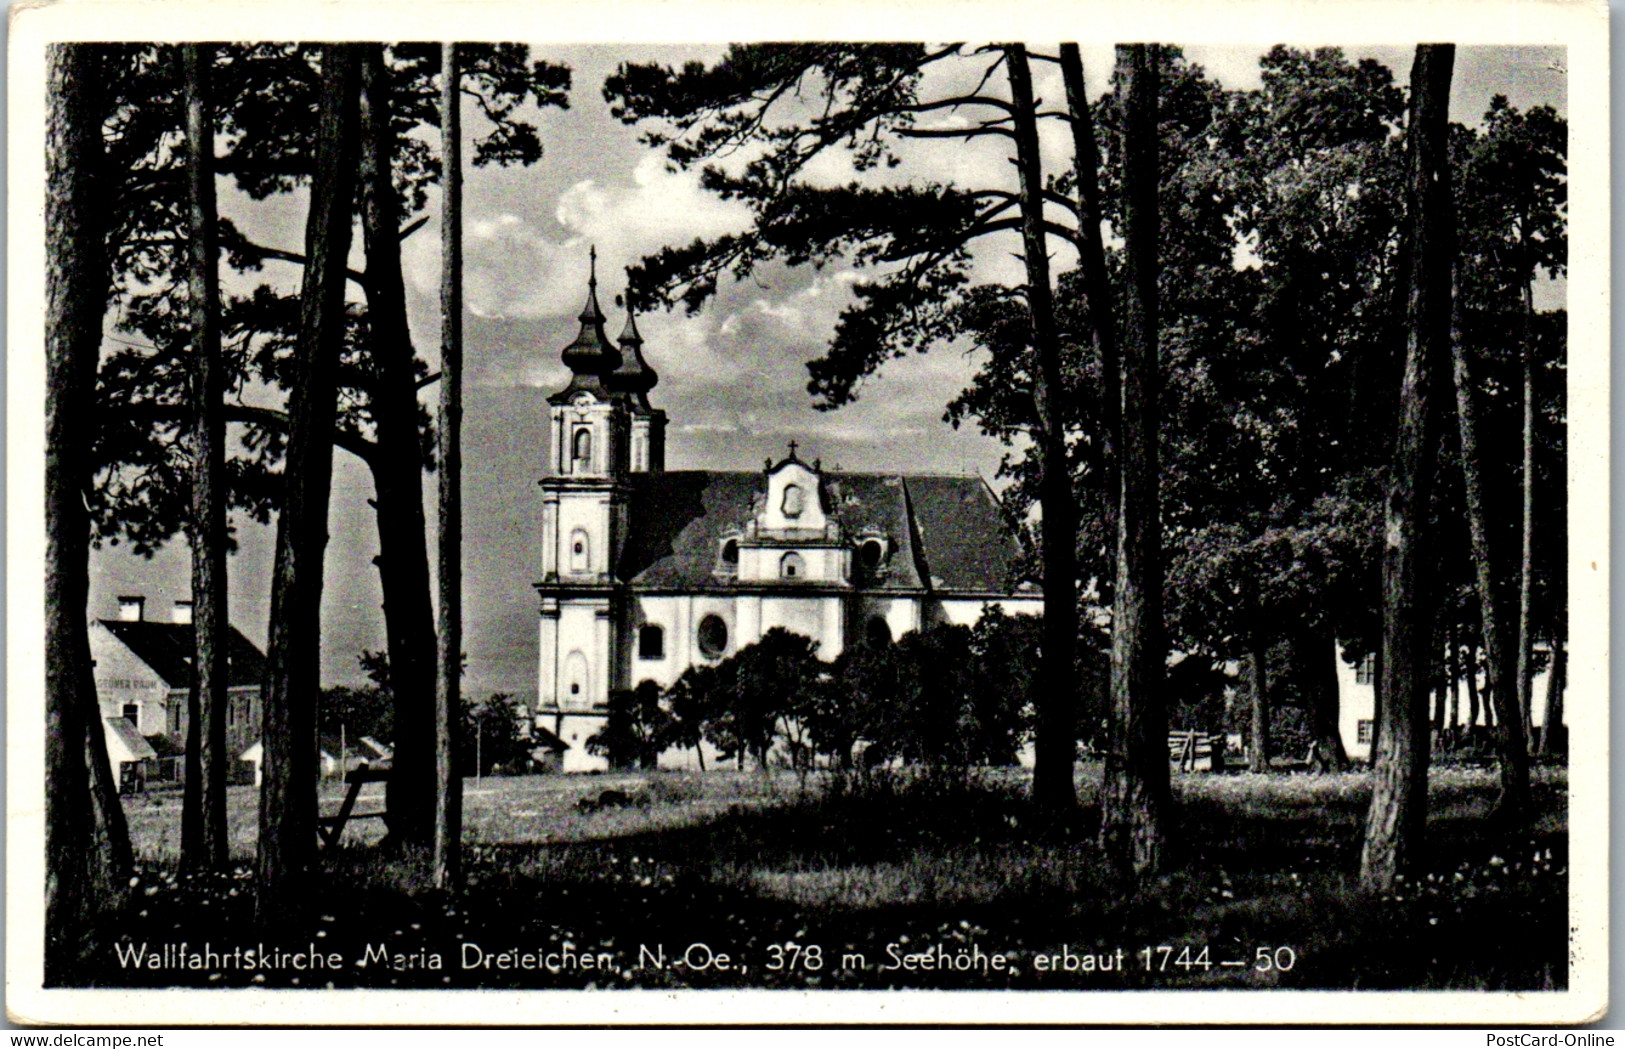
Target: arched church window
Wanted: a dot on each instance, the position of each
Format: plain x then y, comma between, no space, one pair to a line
795,500
575,682
580,551
871,553
651,642
877,632
730,552
791,566
581,449
712,636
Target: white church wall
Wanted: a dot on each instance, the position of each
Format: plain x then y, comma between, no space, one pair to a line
662,612
966,611
585,518
901,614
1356,711
801,510
724,608
808,616
580,665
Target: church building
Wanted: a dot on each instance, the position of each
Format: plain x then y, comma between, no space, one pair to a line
648,571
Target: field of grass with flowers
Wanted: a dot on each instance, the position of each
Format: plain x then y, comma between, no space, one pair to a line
891,881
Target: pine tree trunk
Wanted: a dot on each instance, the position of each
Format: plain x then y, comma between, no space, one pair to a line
448,810
1134,793
397,468
203,823
1376,706
1500,659
1258,752
1097,283
1526,563
81,858
1056,743
287,841
1314,665
1453,662
1398,815
1553,734
1472,687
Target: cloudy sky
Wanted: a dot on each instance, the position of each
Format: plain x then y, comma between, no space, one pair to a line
732,380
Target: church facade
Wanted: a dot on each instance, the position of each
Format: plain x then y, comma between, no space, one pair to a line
648,571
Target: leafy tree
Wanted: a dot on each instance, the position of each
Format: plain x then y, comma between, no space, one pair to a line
789,104
356,712
1004,697
269,150
689,702
1512,200
1398,812
856,697
1270,484
491,739
755,694
933,723
634,733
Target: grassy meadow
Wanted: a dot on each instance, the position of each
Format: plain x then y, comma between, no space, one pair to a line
891,882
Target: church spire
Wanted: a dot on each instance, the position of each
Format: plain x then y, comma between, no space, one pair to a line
592,353
634,376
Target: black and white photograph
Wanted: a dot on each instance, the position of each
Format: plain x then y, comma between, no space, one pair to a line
543,500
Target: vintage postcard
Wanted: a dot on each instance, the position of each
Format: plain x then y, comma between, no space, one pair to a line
724,513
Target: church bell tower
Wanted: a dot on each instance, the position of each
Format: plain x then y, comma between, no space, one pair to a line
601,428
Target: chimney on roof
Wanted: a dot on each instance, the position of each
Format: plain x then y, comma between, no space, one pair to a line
132,609
182,613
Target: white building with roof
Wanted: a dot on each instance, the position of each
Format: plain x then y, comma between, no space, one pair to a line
647,572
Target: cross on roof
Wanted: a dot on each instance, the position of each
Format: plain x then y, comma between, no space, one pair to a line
792,449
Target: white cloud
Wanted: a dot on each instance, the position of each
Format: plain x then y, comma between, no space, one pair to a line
521,265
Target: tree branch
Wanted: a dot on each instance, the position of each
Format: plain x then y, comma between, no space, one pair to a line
245,246
957,101
972,132
272,419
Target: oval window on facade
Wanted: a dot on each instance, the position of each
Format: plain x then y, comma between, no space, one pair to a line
795,500
712,637
870,554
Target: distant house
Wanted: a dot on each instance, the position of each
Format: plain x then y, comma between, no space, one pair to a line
132,756
335,755
1356,687
144,672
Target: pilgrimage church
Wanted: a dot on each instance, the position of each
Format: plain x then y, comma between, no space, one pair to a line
648,571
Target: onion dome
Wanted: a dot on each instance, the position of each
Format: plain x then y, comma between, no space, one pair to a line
634,376
592,354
